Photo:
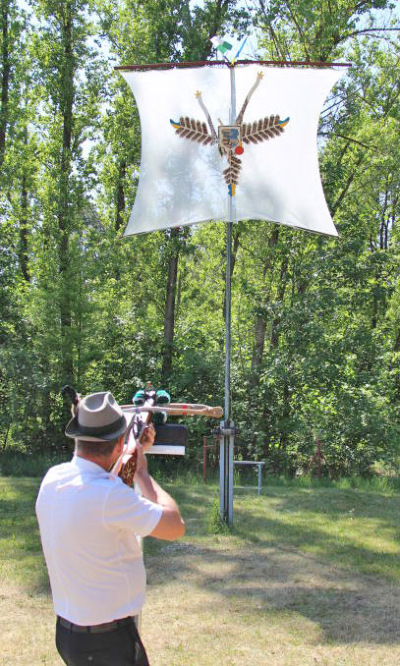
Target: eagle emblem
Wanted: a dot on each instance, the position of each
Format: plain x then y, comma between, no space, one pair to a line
230,138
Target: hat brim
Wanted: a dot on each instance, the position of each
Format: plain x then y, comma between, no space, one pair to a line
75,431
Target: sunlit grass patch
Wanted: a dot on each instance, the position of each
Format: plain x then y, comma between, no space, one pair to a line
21,559
354,528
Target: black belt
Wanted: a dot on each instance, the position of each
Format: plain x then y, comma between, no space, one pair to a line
96,628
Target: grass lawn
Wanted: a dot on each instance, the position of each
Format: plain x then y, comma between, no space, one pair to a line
310,575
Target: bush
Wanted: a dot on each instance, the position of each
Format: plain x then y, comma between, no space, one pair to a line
16,463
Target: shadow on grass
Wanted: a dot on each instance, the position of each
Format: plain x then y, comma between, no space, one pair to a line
347,607
272,566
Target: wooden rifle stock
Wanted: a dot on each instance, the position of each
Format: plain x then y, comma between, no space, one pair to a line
126,467
178,409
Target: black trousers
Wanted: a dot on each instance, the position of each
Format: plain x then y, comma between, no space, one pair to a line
120,647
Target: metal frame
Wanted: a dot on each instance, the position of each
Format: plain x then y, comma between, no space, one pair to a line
253,463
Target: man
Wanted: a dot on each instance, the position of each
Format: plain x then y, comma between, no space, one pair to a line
90,523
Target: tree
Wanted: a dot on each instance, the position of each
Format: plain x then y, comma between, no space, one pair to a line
169,31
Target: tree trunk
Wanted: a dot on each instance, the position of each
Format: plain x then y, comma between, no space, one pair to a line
170,300
5,442
286,409
23,231
5,77
64,222
261,323
119,220
24,220
281,295
258,350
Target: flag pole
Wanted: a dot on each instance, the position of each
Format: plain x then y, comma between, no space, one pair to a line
227,430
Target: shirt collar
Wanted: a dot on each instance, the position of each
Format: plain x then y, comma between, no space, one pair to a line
88,466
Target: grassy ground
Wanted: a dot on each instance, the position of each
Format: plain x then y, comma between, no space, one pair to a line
309,576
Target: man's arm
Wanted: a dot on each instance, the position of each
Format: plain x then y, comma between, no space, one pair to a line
171,525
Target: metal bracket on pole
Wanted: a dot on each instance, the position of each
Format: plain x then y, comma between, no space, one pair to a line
224,429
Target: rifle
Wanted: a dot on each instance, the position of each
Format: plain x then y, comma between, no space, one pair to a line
145,408
127,467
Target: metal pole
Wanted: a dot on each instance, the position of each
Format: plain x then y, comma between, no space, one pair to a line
228,315
228,293
227,437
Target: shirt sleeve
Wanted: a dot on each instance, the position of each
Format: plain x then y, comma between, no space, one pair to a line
124,509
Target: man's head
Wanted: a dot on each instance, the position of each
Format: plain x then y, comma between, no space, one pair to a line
98,426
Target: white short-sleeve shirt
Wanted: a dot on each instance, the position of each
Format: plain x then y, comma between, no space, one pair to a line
89,524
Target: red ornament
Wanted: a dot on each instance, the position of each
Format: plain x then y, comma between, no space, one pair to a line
239,150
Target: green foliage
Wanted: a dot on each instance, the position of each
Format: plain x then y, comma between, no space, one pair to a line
315,322
214,524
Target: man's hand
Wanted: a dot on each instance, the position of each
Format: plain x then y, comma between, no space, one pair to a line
134,462
148,436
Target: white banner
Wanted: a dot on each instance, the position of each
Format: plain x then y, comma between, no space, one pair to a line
273,152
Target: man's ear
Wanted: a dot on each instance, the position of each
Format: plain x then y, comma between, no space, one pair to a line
120,444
